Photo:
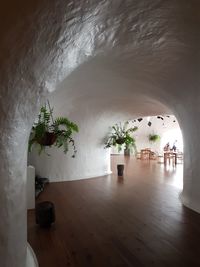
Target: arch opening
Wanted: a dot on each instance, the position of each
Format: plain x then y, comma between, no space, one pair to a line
96,96
162,58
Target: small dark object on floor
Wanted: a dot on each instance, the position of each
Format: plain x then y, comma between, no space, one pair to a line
39,185
45,213
120,169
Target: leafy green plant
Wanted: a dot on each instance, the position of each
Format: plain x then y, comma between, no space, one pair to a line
47,131
154,138
121,135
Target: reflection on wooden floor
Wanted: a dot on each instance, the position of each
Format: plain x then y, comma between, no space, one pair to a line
131,221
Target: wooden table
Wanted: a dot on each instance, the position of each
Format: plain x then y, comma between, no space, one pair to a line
170,155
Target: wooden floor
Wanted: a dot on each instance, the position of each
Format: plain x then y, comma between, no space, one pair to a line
133,221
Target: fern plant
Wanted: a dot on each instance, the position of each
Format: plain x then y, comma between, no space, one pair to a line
64,130
48,131
122,135
154,138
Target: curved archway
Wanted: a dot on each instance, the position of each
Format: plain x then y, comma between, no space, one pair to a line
155,41
96,97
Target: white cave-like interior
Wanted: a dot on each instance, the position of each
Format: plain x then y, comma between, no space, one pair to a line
94,111
98,62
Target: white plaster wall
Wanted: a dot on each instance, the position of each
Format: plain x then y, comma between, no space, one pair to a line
152,46
91,159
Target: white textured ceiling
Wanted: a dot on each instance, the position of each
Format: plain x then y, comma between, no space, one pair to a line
99,86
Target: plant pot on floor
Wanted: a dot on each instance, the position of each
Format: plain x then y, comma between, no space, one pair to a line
120,169
45,213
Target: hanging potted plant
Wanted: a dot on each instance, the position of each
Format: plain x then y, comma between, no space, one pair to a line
121,136
48,131
154,138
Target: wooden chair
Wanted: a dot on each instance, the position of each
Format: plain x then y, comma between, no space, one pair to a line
153,155
160,158
180,157
145,153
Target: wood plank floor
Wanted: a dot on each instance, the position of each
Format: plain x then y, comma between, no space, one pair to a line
133,221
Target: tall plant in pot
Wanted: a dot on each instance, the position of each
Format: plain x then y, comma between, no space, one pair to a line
121,136
47,131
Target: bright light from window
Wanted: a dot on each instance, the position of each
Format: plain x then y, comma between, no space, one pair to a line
148,119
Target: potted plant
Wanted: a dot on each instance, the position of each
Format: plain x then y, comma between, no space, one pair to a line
154,138
121,136
48,131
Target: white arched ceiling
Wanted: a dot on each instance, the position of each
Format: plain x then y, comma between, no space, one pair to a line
153,45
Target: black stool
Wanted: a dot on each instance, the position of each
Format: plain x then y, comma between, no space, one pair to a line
45,213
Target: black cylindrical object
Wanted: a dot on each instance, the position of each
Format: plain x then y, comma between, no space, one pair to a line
120,169
45,213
